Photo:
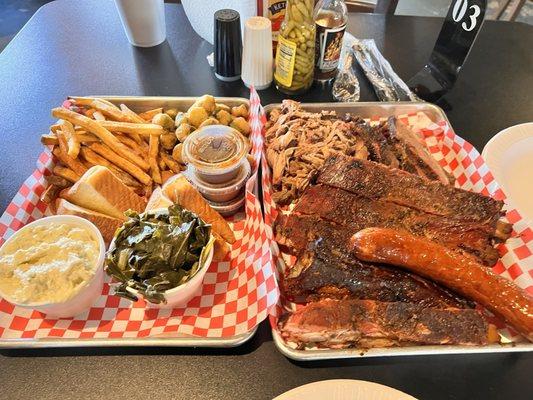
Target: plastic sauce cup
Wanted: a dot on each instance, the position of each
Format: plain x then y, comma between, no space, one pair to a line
216,152
221,192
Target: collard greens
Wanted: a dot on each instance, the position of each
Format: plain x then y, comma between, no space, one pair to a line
156,251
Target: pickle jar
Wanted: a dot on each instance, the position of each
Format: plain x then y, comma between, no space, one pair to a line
295,55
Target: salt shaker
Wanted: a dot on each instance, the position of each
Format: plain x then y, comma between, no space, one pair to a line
257,60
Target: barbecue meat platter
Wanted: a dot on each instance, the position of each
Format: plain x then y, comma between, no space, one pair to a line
385,250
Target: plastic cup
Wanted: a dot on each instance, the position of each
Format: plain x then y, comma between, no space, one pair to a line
143,21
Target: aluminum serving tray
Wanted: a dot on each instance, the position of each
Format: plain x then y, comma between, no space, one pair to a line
142,103
331,354
375,109
370,110
153,341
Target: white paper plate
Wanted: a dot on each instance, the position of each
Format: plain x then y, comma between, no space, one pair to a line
509,155
344,389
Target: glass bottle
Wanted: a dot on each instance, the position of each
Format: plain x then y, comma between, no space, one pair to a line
330,17
295,53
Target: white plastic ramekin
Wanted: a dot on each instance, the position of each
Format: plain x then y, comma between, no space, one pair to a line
92,288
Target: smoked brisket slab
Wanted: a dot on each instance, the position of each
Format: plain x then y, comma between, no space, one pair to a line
325,268
357,212
394,144
413,156
365,324
379,182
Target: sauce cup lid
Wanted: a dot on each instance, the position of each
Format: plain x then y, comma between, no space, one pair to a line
215,149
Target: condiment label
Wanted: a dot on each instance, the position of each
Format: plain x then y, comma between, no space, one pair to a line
285,58
275,11
329,45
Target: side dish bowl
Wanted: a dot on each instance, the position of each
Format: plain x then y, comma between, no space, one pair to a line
180,295
88,292
127,272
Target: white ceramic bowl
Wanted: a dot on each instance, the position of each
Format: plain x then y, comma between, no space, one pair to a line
181,294
88,293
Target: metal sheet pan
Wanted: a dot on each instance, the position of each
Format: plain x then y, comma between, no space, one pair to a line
375,109
331,354
143,103
138,103
153,341
369,110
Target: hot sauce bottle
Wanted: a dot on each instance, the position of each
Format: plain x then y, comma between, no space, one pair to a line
330,18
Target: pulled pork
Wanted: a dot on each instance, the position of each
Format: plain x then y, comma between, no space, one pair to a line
298,143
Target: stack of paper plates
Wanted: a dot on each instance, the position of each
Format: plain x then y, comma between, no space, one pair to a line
344,389
509,155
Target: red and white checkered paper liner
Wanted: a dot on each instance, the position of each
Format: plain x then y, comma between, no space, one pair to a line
460,158
236,294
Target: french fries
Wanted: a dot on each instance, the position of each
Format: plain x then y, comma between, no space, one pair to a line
105,136
49,140
134,117
152,158
97,115
166,175
170,163
66,173
73,143
121,162
129,127
110,110
86,101
74,164
86,138
57,181
148,115
94,158
132,144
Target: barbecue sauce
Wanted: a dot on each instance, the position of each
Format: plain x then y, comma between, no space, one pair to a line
330,18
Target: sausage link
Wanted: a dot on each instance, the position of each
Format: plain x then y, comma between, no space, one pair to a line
455,271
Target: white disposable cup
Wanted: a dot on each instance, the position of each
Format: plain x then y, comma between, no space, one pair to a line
143,21
257,61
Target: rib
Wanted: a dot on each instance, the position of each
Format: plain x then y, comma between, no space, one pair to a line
320,276
365,324
376,181
325,268
295,233
356,213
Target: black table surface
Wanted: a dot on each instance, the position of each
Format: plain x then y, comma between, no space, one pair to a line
79,48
